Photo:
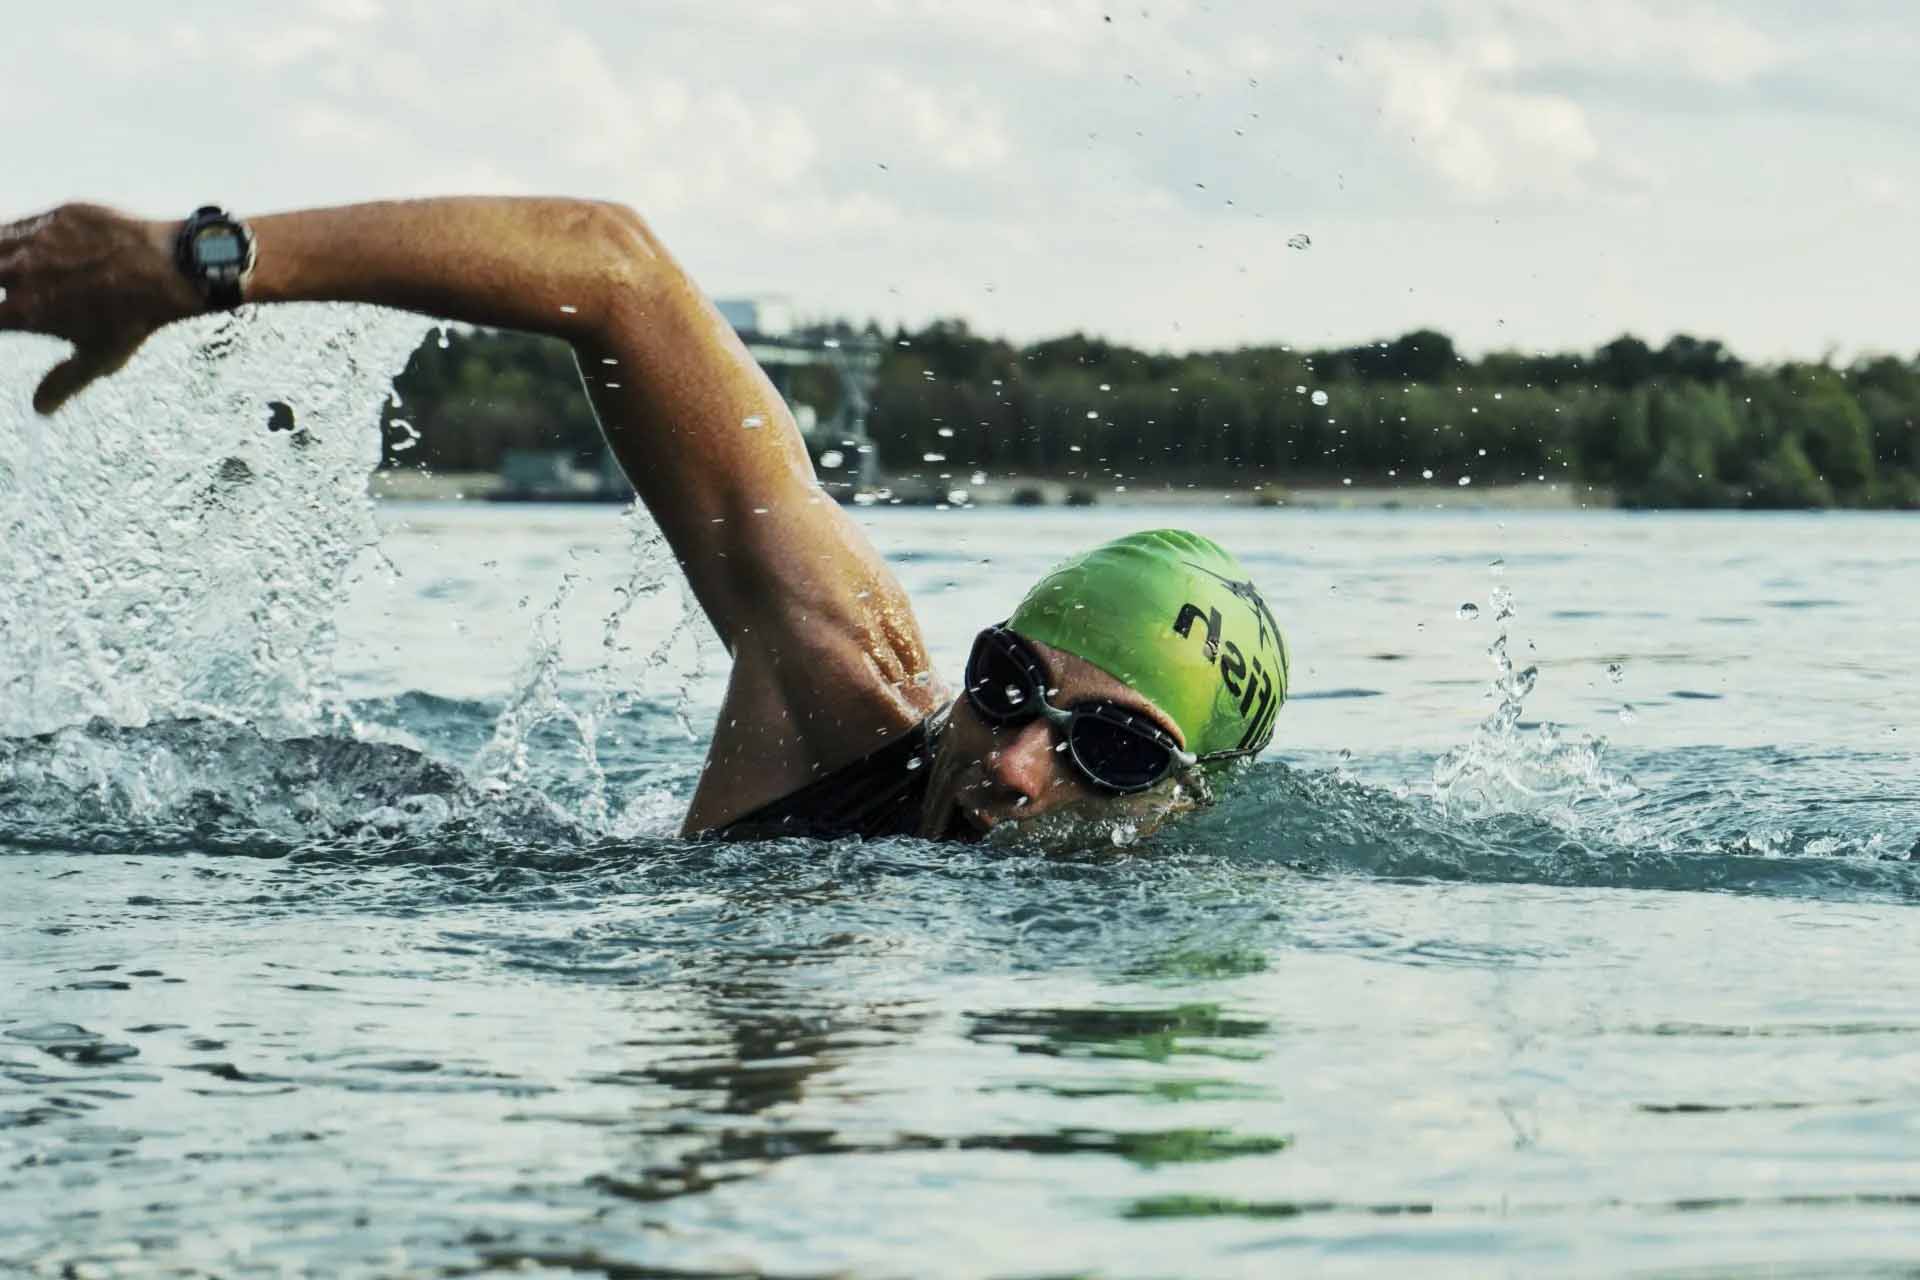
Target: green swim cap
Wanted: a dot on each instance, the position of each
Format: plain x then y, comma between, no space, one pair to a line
1177,619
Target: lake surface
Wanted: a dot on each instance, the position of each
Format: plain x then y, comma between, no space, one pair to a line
343,930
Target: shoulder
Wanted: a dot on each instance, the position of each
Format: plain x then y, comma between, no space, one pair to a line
828,663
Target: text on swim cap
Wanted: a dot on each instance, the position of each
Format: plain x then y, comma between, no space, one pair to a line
1256,695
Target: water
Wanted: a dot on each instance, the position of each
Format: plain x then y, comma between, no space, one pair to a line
343,930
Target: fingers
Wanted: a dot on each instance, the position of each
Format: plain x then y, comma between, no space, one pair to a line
72,375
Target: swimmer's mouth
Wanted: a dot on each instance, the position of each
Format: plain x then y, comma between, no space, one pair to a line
968,826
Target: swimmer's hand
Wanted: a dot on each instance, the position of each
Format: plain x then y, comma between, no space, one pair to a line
101,280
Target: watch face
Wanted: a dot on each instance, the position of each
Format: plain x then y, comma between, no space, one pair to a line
218,247
220,254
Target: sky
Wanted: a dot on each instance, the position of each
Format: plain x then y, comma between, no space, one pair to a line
1538,175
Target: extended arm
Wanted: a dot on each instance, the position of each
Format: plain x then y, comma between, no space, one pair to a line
825,644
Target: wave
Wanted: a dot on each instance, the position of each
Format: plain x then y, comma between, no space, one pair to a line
225,788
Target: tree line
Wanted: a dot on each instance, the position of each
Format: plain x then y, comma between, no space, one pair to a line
1685,424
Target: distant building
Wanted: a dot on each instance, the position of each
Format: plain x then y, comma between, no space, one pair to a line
771,316
826,379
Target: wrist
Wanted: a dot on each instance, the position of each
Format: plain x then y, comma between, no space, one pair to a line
181,298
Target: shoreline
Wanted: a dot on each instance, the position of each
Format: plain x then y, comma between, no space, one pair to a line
1019,491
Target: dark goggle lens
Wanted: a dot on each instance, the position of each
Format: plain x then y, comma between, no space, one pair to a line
999,682
1116,755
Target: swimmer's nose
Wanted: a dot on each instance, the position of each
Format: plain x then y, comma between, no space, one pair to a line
1024,762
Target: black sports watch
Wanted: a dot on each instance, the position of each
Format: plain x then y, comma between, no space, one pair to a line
215,250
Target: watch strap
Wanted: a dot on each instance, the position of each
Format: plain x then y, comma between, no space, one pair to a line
223,295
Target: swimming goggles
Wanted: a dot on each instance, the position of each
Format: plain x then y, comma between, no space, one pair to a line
1117,749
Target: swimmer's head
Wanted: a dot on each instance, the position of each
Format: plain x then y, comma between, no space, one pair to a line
1164,626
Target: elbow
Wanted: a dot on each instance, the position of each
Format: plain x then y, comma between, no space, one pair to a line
632,260
621,227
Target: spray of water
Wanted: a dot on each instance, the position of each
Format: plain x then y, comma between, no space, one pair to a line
1503,768
176,539
621,676
176,543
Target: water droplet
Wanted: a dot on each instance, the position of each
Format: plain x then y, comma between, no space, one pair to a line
958,497
1467,612
1125,834
753,421
920,678
1015,694
1299,240
1092,414
914,762
569,310
1615,672
832,344
1319,398
1627,715
1299,388
945,433
1497,567
933,457
1106,386
1426,473
833,459
1465,481
979,477
1346,755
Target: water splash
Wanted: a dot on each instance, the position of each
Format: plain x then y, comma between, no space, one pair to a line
550,695
176,544
211,785
176,539
1503,769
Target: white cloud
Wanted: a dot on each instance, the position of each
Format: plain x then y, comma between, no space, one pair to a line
954,128
1487,141
1882,189
1125,176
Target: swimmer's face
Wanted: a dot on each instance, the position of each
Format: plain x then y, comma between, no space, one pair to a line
1014,783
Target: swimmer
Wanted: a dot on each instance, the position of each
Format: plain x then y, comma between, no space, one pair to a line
1122,675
